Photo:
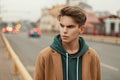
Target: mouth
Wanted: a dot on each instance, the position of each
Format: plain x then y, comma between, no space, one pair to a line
64,37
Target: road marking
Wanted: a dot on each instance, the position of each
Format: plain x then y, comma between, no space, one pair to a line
110,67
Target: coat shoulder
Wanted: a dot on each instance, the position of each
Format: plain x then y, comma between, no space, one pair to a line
92,53
46,52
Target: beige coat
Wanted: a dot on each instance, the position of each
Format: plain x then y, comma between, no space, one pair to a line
49,65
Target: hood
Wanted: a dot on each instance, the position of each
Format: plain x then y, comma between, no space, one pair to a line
57,46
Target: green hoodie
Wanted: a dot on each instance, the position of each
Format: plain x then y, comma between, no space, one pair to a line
72,64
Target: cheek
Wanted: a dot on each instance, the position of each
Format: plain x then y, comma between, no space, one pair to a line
75,32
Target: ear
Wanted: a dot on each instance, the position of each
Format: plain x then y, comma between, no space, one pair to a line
82,28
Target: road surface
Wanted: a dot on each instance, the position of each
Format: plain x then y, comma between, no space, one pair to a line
28,48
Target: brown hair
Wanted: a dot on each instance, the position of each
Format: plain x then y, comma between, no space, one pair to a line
76,13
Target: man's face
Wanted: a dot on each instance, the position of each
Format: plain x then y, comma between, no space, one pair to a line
69,29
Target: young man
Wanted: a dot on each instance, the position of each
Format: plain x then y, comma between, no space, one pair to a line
68,57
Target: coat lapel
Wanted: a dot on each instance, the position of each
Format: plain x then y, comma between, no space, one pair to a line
57,62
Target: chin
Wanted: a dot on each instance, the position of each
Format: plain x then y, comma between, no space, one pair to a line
65,41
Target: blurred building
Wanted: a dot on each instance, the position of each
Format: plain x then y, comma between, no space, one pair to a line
102,13
93,23
112,25
48,20
81,3
98,23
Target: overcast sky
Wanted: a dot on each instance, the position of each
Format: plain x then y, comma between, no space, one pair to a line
12,10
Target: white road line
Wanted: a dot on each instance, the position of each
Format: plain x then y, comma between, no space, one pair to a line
110,67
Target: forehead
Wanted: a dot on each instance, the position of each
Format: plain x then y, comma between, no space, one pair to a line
67,20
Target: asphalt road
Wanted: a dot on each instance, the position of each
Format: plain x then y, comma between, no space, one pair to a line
28,48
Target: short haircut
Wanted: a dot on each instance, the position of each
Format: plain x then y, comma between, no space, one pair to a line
76,13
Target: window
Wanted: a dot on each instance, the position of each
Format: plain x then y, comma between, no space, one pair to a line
112,27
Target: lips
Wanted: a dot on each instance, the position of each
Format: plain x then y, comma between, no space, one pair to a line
64,37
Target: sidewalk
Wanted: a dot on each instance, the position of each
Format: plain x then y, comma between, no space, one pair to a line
6,65
103,39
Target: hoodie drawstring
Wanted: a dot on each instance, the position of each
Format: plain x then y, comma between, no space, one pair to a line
66,66
77,67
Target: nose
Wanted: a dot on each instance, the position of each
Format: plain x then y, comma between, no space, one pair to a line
65,29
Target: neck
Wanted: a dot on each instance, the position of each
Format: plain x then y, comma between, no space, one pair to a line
71,48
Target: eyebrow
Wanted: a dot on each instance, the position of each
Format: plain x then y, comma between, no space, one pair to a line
61,24
67,25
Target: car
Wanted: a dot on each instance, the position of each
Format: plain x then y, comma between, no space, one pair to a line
35,32
7,29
